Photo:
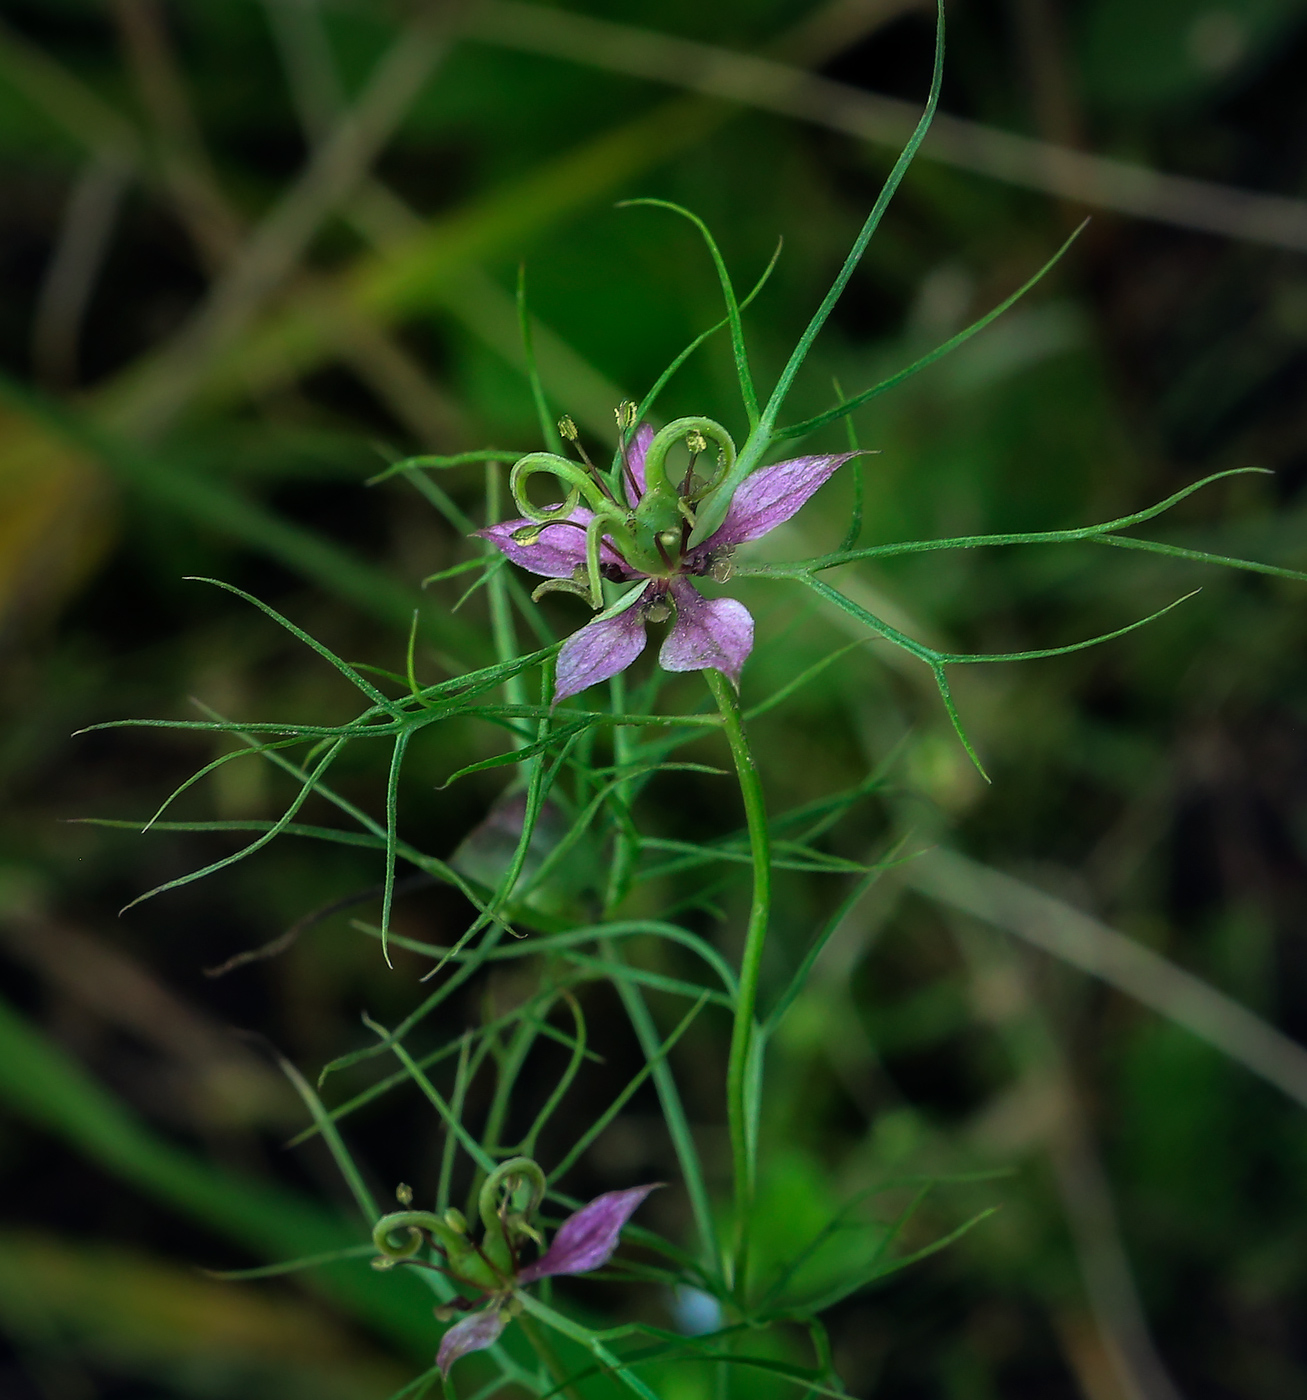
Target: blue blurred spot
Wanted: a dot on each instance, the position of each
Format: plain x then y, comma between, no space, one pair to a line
695,1312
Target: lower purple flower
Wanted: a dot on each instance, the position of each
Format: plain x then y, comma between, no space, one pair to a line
706,633
583,1242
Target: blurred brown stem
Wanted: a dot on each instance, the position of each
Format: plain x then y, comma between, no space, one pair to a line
175,131
74,267
1000,155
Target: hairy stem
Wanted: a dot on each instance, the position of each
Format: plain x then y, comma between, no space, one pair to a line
745,1030
625,854
501,611
624,851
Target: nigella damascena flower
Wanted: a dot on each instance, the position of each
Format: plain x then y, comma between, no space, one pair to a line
593,535
491,1269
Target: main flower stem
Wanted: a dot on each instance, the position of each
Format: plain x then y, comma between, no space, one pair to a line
745,1030
501,609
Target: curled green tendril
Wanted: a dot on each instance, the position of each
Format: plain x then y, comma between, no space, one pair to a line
663,507
655,461
575,480
413,1223
606,518
507,1178
467,1262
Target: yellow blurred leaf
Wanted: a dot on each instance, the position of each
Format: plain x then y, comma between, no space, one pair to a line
56,518
146,1316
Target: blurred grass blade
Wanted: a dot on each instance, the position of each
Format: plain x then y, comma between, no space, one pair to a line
548,425
1093,947
212,506
40,1083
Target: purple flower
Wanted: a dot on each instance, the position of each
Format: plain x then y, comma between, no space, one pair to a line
584,1241
573,545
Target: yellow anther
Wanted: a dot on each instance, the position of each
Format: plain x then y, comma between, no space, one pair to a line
526,534
695,442
626,411
404,1194
567,429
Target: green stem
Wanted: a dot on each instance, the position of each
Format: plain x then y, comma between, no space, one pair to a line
745,1030
624,851
548,1356
501,611
588,1339
625,854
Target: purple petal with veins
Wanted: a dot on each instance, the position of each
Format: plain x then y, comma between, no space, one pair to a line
587,1239
474,1333
771,496
714,633
559,550
636,451
598,651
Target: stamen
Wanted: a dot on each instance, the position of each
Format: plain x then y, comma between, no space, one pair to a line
695,443
567,429
529,534
625,412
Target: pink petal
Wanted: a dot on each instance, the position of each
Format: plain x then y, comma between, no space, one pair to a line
559,550
771,496
555,554
635,455
598,651
587,1239
473,1333
714,633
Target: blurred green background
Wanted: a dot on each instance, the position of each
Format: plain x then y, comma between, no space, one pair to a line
251,248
